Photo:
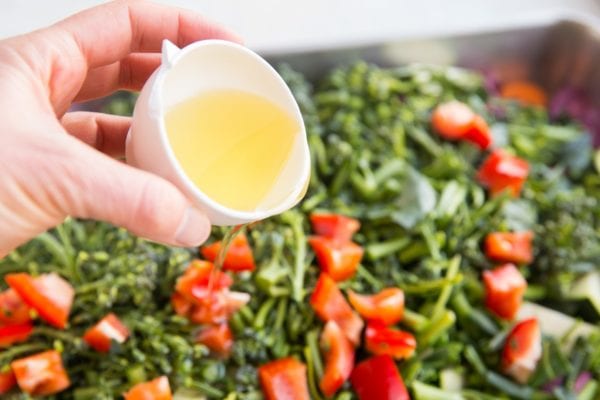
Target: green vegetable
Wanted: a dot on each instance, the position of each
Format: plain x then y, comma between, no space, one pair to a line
423,391
423,218
588,287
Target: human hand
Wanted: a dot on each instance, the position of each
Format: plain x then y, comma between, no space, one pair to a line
55,163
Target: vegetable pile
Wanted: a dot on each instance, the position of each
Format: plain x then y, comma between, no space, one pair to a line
448,248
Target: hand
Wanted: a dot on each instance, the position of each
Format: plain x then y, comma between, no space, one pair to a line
55,163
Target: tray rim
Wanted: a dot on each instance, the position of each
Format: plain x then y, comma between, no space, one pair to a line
538,20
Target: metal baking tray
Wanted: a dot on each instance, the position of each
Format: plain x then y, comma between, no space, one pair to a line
558,51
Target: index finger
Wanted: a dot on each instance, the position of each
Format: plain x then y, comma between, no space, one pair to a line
110,32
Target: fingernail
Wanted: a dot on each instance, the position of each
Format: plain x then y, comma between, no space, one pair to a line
194,228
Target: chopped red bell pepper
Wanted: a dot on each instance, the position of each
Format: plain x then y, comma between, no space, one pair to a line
334,226
194,298
522,350
339,358
509,247
180,304
452,120
386,307
455,120
41,374
479,133
239,255
329,304
218,338
193,284
7,381
217,307
157,389
10,334
378,378
284,379
13,310
49,294
107,330
504,290
503,171
339,259
380,339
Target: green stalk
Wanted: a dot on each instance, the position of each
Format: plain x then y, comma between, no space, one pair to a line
64,237
430,240
436,328
388,170
410,370
281,314
310,372
318,147
497,380
376,251
429,286
312,202
210,391
63,335
341,177
469,394
295,221
363,273
247,314
54,247
464,310
423,391
21,350
263,313
312,340
508,386
496,343
425,140
442,300
365,187
414,320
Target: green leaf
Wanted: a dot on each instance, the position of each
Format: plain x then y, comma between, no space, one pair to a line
452,197
417,200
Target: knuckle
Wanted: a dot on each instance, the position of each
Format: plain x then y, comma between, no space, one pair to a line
151,210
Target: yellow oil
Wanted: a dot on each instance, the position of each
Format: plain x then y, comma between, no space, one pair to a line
230,234
232,144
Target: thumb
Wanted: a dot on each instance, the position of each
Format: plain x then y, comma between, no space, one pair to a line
145,204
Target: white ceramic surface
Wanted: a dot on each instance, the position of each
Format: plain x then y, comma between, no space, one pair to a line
201,67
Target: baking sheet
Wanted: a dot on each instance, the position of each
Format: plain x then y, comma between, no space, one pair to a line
555,53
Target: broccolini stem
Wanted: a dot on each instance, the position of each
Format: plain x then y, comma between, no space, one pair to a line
463,308
310,372
281,314
263,313
54,247
295,221
376,251
207,389
414,320
312,340
57,334
429,286
436,328
367,276
16,351
442,300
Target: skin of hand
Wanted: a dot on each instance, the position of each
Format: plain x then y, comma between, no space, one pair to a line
55,163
